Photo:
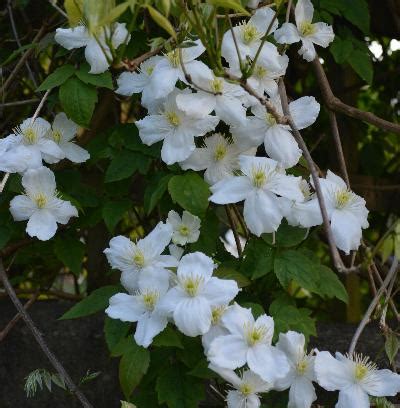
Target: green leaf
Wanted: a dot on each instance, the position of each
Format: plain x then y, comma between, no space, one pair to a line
341,49
209,235
361,62
5,235
103,80
293,265
114,331
258,259
330,285
229,4
357,12
78,100
256,309
168,338
190,191
177,389
391,346
286,236
162,21
132,367
95,302
226,272
288,317
57,78
70,251
113,211
154,191
125,164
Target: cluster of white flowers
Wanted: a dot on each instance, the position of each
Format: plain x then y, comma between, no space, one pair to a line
182,290
177,117
33,142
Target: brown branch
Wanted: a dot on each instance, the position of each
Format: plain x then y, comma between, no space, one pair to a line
59,294
40,340
367,316
336,105
17,317
132,65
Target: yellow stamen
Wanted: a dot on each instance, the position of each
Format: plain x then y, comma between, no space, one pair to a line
41,200
301,366
255,334
138,259
191,285
173,58
307,29
149,70
250,33
269,119
150,299
216,314
219,152
259,177
184,230
30,135
342,198
246,389
217,85
173,118
56,135
260,72
363,367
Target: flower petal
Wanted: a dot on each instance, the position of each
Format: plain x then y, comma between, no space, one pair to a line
301,393
153,128
40,180
65,126
323,34
346,230
304,111
75,153
148,327
220,291
125,307
197,104
332,374
236,318
287,34
382,383
62,210
307,50
353,396
303,12
196,264
71,38
96,57
231,190
228,351
120,35
131,82
22,208
42,225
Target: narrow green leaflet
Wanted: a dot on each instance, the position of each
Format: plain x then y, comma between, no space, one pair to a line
132,367
154,191
177,389
190,191
286,236
113,211
230,5
168,338
392,345
124,165
57,78
258,259
70,251
103,80
162,21
330,285
227,272
78,100
95,302
114,331
360,61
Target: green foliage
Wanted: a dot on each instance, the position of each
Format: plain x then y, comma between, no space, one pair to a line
114,331
78,100
190,191
392,346
103,80
70,251
286,236
155,190
258,259
168,338
177,389
95,302
113,211
132,366
57,78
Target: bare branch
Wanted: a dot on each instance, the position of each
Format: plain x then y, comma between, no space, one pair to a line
40,340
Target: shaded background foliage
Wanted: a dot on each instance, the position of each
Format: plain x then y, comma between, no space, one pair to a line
125,189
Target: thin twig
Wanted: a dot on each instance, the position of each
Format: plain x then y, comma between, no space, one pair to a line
18,103
17,317
40,340
40,106
233,228
339,149
52,293
132,65
335,104
371,307
289,7
235,41
58,8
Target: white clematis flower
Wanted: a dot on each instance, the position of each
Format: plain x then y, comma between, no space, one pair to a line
168,70
40,204
216,328
186,230
305,31
141,307
143,258
218,157
305,213
248,36
355,377
26,148
63,130
269,67
130,83
261,182
249,341
346,211
176,251
176,128
191,301
301,373
278,140
97,50
221,97
247,387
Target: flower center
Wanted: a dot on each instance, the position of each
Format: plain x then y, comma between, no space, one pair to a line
173,58
363,367
191,285
149,70
150,299
217,85
138,259
250,33
301,366
216,314
246,389
306,29
255,335
260,72
56,135
219,152
269,119
41,200
184,230
258,177
342,198
30,135
360,372
173,118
